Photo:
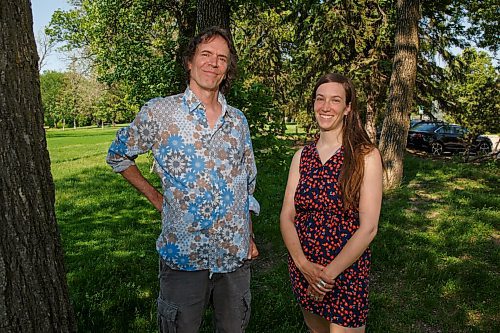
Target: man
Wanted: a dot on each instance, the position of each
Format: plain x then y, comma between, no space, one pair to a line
204,156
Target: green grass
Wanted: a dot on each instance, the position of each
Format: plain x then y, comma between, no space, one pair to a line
435,259
293,128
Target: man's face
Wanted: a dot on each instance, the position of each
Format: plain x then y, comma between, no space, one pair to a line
209,65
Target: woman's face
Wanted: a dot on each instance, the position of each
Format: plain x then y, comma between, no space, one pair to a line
330,106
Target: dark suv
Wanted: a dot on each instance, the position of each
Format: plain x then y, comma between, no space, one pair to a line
440,137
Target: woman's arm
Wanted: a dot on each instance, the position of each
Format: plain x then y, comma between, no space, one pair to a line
370,202
310,270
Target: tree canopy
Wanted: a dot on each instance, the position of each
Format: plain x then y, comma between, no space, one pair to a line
473,89
283,47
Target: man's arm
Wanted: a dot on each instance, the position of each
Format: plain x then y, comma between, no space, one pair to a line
137,180
137,138
253,204
253,252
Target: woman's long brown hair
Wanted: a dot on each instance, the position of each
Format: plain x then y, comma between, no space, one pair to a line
355,140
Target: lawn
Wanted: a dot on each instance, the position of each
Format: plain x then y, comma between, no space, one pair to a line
435,259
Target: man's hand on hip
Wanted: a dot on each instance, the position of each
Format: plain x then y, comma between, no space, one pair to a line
253,252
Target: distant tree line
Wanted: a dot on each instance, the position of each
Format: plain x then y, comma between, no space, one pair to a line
73,100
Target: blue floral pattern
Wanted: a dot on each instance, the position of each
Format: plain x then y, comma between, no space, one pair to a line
208,177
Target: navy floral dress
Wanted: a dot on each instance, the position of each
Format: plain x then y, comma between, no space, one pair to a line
324,229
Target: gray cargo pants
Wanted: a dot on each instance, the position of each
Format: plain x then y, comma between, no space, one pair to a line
185,295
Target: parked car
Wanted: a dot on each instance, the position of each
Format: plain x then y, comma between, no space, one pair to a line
439,137
415,122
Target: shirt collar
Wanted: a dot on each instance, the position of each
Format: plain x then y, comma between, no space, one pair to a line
192,102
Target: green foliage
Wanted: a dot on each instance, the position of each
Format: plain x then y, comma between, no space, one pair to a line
255,100
484,25
66,97
265,34
283,47
115,106
435,258
473,87
444,25
288,45
142,48
52,86
132,43
67,27
74,98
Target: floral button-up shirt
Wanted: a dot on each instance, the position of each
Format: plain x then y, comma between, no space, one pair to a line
208,177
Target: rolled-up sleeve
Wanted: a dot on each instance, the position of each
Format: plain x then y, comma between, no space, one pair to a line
133,140
249,160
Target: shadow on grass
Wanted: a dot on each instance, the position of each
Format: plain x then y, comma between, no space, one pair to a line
435,263
274,308
109,234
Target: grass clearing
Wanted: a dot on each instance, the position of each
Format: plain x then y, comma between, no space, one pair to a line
435,259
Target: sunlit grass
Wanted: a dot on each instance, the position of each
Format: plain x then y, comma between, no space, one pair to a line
435,259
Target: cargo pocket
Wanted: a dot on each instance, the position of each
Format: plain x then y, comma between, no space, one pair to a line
245,310
167,317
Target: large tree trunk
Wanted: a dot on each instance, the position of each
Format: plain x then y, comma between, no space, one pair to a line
33,290
402,86
212,12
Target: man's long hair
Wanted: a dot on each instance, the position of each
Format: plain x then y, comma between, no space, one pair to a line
204,37
355,140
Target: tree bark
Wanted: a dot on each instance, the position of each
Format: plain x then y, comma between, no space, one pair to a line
371,115
33,290
212,12
402,87
185,14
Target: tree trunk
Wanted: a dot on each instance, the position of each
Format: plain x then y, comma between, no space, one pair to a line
371,115
192,16
33,289
185,14
212,12
402,86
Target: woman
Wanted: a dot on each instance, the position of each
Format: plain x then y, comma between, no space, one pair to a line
330,213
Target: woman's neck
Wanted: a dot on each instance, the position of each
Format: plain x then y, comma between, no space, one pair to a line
330,139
